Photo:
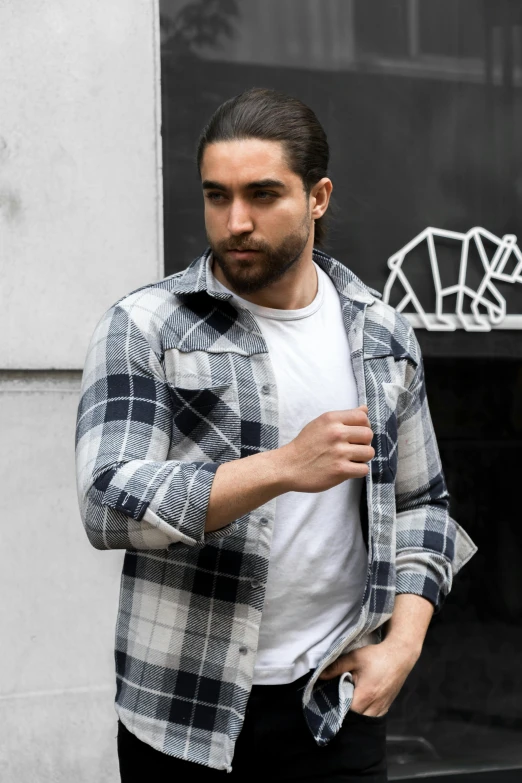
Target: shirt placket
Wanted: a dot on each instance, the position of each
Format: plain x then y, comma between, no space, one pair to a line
261,520
354,313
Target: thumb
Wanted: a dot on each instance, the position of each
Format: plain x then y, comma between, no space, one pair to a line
364,407
342,664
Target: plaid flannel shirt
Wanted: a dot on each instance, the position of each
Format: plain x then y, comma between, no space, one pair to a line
176,381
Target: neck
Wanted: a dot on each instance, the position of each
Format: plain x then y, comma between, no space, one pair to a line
296,289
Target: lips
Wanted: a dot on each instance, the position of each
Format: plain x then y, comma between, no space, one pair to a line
242,253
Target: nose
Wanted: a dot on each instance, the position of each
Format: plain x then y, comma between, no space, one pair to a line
239,218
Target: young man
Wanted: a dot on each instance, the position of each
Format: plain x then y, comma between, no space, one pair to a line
254,431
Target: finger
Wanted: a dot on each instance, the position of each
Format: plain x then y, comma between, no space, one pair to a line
342,664
360,453
359,705
356,417
370,710
357,470
360,435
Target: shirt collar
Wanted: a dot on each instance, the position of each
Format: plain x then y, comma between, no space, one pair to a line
197,277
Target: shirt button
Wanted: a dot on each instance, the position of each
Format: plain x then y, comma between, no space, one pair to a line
243,650
255,583
265,388
263,521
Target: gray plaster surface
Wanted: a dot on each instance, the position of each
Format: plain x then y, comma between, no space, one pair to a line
59,597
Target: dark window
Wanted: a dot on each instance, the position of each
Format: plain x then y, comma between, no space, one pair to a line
383,27
452,28
410,149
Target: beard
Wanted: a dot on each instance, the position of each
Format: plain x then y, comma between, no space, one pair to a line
246,276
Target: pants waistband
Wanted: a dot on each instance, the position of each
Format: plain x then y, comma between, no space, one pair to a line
278,691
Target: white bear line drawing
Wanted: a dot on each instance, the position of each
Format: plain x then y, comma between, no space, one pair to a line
487,295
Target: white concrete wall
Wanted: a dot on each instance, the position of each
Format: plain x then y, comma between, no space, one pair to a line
80,226
58,598
80,198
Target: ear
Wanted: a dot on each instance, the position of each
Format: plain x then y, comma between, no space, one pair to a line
320,197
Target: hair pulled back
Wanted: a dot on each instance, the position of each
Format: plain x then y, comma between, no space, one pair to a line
260,113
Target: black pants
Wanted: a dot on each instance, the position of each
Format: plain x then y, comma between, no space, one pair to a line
275,742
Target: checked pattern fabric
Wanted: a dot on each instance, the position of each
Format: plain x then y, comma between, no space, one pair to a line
177,381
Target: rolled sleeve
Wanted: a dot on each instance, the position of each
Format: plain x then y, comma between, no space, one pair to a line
131,496
430,546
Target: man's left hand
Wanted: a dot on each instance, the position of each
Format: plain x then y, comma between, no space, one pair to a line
378,672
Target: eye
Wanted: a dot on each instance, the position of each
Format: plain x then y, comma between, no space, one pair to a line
215,198
264,195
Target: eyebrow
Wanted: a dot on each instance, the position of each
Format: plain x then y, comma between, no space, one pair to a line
262,183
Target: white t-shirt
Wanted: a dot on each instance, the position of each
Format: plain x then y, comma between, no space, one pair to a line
318,559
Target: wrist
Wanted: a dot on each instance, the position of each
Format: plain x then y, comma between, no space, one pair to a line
283,468
406,629
409,650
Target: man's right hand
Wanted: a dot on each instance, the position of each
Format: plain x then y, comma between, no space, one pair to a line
330,449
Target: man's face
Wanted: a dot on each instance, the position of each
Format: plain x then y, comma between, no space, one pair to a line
257,214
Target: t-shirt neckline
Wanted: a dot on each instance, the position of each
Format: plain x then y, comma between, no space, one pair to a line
275,312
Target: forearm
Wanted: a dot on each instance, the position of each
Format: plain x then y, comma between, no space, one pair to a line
330,449
379,670
242,485
407,627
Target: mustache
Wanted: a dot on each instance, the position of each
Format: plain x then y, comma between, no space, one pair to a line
243,246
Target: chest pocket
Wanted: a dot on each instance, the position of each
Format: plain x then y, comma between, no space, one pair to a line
396,397
198,407
386,397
